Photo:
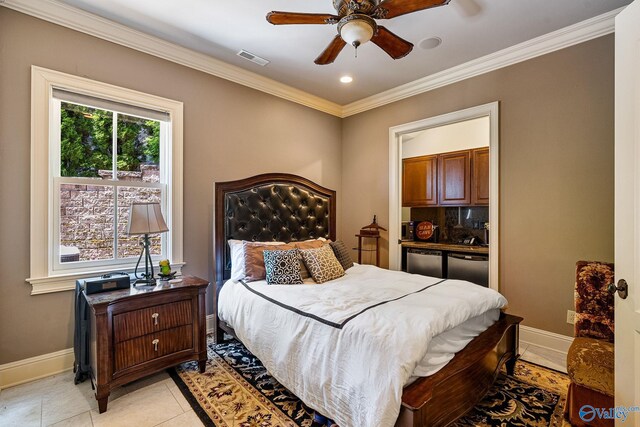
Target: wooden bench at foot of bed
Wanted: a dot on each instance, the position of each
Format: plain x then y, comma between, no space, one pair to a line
445,396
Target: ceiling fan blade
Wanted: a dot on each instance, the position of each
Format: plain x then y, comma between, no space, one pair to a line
287,18
392,8
394,45
331,52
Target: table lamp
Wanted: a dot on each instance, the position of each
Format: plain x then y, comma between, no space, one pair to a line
145,218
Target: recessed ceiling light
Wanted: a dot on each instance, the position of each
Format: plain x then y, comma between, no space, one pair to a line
346,79
430,43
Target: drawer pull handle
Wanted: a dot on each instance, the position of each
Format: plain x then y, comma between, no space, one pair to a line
155,316
155,344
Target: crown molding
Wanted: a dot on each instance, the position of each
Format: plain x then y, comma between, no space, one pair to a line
85,22
578,33
79,20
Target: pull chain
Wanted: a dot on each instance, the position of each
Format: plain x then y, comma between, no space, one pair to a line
356,44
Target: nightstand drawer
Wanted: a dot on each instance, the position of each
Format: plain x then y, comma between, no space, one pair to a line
148,320
142,349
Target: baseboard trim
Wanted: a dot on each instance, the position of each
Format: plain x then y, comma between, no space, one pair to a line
211,323
555,344
34,368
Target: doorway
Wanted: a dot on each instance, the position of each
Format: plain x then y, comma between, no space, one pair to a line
399,133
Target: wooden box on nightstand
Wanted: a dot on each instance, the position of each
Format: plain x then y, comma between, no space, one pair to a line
136,332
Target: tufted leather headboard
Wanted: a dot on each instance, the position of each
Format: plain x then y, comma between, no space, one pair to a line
270,207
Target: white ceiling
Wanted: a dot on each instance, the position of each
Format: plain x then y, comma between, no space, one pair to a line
469,29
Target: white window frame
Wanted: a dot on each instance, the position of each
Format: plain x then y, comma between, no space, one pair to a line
57,267
44,276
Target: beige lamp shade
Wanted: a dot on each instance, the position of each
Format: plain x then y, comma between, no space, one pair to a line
146,218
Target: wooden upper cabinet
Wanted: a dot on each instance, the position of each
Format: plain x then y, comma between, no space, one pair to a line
450,179
420,181
480,179
454,178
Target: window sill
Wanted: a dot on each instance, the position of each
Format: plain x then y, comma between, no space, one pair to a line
67,282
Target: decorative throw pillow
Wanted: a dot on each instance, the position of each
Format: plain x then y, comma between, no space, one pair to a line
342,253
254,259
236,253
322,264
282,267
307,244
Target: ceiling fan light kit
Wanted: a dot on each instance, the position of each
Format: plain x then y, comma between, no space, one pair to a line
356,29
357,25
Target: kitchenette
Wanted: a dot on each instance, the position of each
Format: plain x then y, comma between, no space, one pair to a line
445,212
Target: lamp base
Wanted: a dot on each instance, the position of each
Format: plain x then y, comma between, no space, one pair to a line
147,278
145,282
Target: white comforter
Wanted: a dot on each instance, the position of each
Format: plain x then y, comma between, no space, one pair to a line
336,349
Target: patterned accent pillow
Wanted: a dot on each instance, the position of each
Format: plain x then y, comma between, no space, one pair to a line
282,267
342,253
254,260
307,244
322,264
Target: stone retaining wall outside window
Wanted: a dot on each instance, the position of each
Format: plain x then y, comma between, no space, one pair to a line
87,216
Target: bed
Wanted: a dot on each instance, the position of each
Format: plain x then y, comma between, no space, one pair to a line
283,207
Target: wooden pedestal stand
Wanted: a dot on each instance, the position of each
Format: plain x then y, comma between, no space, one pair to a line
371,231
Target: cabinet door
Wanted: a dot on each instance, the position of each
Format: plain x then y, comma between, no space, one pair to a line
480,177
419,181
454,178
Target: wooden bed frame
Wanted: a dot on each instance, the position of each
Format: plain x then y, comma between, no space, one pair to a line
431,401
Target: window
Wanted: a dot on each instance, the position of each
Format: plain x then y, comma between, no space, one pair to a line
97,148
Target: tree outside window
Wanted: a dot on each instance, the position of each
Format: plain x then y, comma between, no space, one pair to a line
94,201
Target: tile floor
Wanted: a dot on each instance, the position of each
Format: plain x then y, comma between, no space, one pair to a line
56,401
152,401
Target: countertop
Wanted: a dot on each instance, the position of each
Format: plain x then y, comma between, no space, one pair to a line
452,247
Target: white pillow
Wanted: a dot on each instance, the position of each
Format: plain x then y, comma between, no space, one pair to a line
237,259
236,252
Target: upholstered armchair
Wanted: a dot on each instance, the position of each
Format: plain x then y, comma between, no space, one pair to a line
590,358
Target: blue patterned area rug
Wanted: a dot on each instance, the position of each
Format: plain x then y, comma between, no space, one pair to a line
236,390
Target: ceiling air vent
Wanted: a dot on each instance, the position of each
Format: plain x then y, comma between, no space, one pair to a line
253,58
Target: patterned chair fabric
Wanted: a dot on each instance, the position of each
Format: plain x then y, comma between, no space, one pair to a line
590,364
593,302
590,360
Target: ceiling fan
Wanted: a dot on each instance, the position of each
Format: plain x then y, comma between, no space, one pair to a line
357,25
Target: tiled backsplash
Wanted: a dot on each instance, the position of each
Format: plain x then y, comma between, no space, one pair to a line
455,223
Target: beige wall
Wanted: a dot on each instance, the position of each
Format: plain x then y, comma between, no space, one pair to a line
556,170
556,148
230,132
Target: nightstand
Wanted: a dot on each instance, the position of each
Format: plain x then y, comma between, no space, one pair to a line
138,331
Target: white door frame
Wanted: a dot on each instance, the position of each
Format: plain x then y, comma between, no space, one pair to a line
490,110
627,212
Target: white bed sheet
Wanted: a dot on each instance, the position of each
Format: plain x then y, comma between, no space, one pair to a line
444,346
356,359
